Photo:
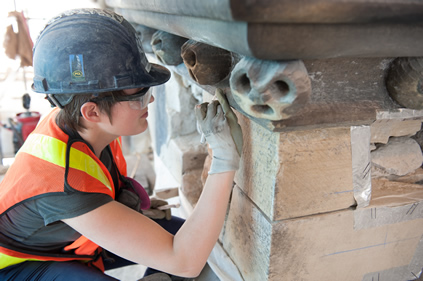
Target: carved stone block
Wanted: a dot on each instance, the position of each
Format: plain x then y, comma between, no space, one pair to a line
167,47
297,173
405,82
206,64
399,157
269,89
345,245
192,186
381,130
183,154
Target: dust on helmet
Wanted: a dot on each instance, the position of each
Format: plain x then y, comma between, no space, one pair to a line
91,51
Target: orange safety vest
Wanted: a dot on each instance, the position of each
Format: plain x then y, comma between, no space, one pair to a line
48,151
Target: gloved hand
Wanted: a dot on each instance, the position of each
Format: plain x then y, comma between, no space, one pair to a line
236,131
155,212
133,195
215,126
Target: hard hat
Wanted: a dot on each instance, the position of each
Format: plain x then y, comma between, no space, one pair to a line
91,51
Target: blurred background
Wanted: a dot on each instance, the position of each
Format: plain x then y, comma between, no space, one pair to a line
20,23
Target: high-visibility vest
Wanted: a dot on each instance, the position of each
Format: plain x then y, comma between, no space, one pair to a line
48,162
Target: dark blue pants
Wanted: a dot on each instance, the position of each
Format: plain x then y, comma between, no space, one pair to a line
74,270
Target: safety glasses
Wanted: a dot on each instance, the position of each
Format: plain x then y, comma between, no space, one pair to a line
138,101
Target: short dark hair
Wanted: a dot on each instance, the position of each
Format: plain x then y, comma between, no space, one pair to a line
69,116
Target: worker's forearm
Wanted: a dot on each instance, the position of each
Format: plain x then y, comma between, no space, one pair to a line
198,235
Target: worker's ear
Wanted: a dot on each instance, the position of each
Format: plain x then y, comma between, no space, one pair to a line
90,112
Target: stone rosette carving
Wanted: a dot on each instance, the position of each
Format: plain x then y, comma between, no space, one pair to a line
267,89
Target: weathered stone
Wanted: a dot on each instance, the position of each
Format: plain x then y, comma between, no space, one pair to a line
183,154
269,89
418,137
192,186
207,65
307,40
298,173
344,245
167,47
405,82
145,34
180,108
399,156
381,130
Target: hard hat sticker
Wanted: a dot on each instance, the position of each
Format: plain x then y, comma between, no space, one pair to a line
76,64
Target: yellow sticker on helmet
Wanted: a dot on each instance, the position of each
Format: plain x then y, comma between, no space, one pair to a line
76,63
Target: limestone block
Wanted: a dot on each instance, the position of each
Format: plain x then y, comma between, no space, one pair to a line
381,130
183,154
297,173
180,107
345,245
192,186
399,156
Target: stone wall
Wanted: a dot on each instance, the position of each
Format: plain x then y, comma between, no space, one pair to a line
329,186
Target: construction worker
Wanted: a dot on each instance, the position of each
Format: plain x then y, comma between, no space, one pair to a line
68,211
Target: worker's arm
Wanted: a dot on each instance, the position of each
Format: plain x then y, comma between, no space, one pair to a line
133,236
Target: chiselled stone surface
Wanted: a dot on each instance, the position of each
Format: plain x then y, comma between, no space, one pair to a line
192,186
296,173
343,245
183,154
381,130
399,157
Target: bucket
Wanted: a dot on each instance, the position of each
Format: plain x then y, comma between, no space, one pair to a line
28,121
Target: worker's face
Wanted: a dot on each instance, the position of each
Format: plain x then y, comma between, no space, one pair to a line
130,117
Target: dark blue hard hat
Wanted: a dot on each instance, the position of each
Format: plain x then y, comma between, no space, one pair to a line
91,51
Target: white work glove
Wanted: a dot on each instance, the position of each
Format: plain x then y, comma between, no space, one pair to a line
214,125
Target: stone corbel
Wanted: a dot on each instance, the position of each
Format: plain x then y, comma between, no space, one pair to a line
145,33
167,47
270,90
206,64
405,82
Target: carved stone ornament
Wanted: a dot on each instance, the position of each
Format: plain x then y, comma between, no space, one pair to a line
207,65
145,34
267,89
167,47
405,82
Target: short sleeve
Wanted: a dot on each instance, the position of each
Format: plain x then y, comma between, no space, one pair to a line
56,207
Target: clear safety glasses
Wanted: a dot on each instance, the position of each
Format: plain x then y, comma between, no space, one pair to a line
138,101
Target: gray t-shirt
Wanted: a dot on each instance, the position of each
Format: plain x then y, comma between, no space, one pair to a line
37,222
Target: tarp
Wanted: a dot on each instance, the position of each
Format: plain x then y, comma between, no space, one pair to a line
18,44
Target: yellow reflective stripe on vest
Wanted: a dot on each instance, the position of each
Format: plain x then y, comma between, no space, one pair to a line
35,143
118,141
6,260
